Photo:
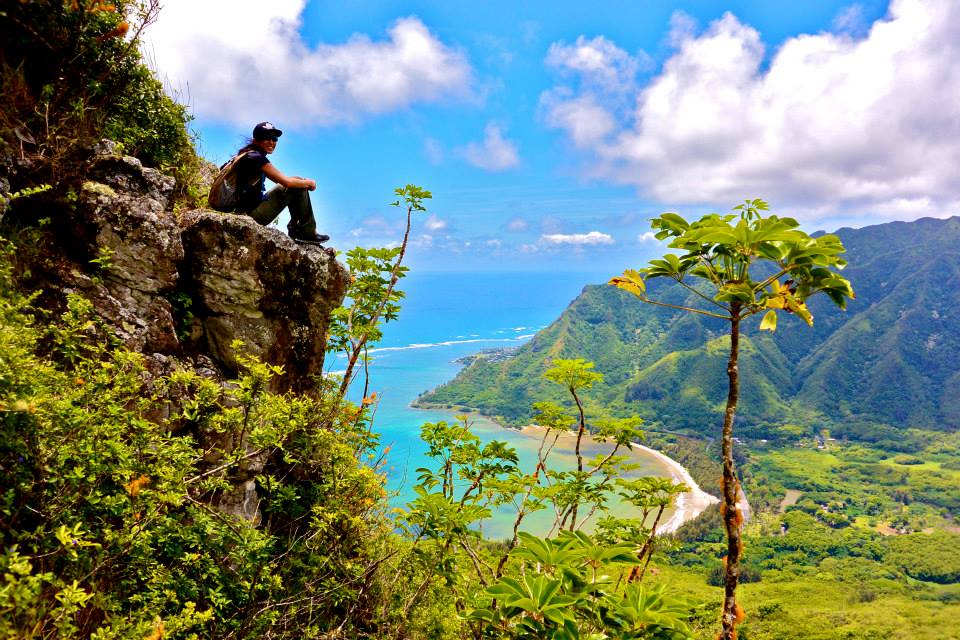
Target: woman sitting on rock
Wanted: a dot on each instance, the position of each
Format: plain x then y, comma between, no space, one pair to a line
291,192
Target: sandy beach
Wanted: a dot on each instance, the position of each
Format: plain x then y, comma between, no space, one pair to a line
688,505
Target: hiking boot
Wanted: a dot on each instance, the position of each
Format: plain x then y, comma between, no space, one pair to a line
316,238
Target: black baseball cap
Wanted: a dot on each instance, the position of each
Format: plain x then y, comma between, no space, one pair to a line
266,131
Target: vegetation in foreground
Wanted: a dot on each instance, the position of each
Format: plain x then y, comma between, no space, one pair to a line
109,528
71,74
724,258
846,534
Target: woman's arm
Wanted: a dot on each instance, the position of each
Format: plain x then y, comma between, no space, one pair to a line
290,182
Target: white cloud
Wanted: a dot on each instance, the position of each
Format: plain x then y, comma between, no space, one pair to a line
829,122
600,62
683,26
254,65
606,77
422,241
433,223
377,226
649,236
584,119
495,153
494,243
593,237
517,224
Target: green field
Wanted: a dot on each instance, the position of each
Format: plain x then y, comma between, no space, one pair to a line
869,548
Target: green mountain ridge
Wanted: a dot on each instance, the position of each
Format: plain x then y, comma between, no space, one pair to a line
891,359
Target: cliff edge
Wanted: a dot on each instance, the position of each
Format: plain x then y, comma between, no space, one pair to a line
179,288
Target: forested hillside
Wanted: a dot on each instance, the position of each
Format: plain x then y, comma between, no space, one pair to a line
886,364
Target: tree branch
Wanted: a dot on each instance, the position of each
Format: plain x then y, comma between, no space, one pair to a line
682,308
705,297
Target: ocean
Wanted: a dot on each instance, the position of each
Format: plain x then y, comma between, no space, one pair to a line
445,317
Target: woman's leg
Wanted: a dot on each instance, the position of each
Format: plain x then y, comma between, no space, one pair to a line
269,209
302,223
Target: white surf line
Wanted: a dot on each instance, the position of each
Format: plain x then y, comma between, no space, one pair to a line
689,504
447,343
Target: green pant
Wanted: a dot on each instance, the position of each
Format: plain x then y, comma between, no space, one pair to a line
302,223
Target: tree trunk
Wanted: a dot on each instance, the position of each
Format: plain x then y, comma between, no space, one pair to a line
580,430
732,519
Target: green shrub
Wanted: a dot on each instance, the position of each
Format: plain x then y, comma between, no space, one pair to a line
907,459
748,573
106,518
932,558
71,74
769,609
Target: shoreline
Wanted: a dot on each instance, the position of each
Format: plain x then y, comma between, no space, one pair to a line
687,506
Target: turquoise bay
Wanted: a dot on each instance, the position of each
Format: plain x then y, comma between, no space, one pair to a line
448,316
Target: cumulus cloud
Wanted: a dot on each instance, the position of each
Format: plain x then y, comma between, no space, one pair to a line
599,61
829,121
649,236
581,116
255,64
433,223
494,153
606,77
592,237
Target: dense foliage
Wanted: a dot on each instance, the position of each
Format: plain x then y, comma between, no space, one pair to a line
570,586
836,535
71,73
106,518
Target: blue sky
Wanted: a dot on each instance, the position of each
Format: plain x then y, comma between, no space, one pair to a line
550,132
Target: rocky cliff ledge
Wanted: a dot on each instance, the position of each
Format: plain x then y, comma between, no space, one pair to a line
178,288
182,285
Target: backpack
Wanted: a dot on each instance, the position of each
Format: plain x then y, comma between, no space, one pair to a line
225,192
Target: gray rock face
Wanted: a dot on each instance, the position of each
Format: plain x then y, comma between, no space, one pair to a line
120,216
114,240
117,245
254,284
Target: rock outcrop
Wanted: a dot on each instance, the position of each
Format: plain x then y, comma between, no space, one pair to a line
182,288
254,284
